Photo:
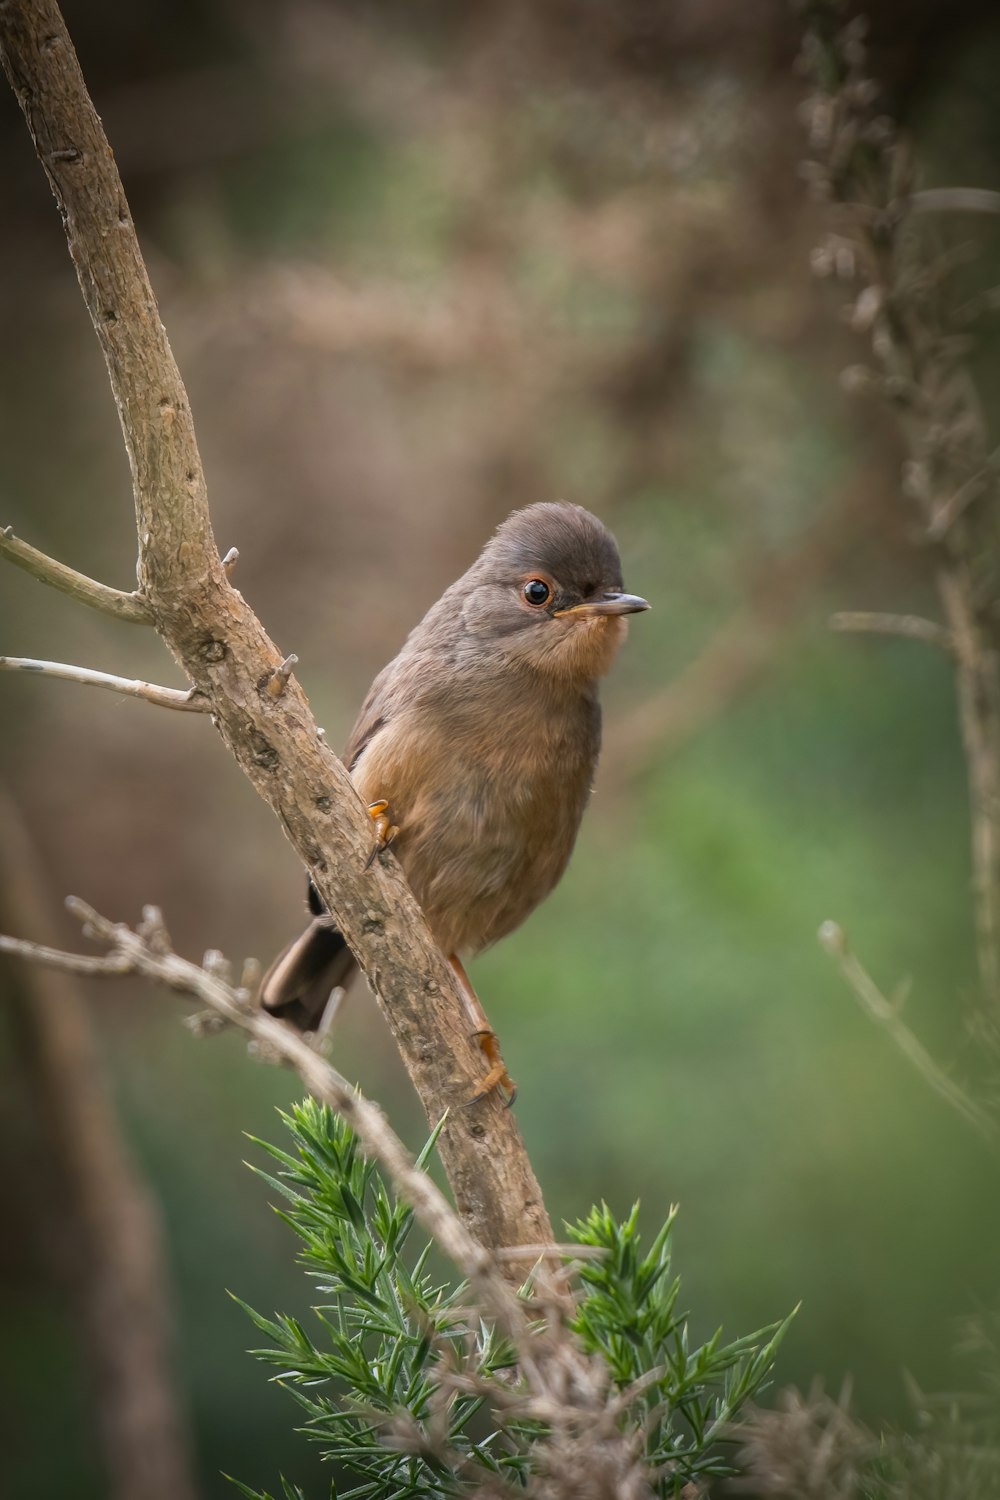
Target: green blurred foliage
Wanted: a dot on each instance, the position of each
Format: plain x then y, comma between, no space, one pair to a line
418,269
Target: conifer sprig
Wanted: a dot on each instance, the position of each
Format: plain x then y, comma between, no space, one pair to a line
406,1384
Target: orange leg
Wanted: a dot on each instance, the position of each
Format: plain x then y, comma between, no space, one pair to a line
497,1076
385,830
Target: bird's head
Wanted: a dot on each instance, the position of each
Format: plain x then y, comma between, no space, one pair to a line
547,590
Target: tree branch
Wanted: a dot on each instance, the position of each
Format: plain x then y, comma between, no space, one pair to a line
912,627
833,939
129,607
954,200
977,677
147,951
164,697
229,658
68,963
565,1387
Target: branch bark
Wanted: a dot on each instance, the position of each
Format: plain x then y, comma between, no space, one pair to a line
229,658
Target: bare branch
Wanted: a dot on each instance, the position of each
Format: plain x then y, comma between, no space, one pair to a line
834,940
955,200
568,1251
562,1385
977,658
913,627
129,607
191,702
147,952
69,963
227,655
951,509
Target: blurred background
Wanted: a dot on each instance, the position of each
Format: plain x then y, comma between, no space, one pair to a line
422,263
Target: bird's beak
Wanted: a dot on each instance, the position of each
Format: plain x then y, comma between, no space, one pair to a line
609,604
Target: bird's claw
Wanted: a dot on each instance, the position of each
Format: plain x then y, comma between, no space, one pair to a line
385,829
497,1077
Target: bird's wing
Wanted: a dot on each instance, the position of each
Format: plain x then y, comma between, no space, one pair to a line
405,680
376,711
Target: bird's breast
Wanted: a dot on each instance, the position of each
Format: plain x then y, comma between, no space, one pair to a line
488,794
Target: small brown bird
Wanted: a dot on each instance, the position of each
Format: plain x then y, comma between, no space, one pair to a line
475,749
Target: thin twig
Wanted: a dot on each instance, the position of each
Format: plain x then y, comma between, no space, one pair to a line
164,697
562,1385
957,503
977,674
549,1252
913,627
69,963
559,1384
834,940
278,680
955,200
131,608
147,951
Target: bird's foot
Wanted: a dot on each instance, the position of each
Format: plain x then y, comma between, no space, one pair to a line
385,829
497,1076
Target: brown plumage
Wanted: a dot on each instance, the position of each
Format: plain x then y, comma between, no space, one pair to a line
482,735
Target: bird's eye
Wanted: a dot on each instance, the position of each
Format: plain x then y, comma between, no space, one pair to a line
536,592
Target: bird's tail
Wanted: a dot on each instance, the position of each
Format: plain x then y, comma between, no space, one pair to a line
303,976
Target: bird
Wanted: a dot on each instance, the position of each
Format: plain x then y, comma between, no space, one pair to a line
475,752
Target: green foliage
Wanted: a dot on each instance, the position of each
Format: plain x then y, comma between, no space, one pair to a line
689,1398
388,1329
410,1391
